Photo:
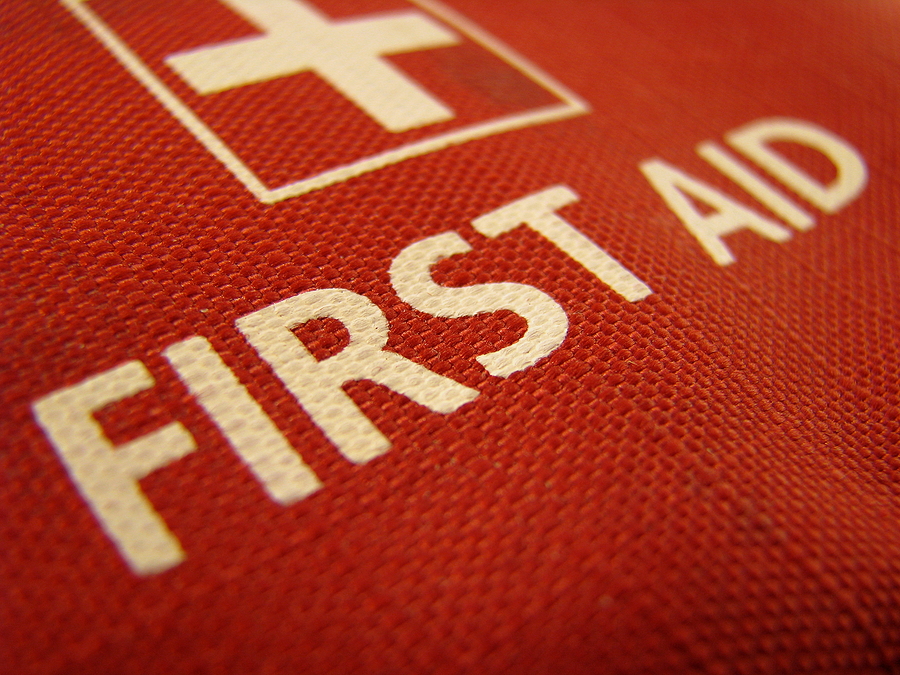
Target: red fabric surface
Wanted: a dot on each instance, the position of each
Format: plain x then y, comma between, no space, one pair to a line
702,481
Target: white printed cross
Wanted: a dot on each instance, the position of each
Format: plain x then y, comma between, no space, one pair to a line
347,54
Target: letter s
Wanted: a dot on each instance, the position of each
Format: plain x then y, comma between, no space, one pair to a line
547,322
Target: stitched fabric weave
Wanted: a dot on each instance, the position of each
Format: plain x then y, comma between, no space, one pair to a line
704,479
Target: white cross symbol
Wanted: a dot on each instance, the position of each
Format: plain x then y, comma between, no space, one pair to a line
347,54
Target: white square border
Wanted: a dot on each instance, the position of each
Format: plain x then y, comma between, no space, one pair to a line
571,106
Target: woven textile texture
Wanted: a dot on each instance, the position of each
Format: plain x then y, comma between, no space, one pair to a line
705,479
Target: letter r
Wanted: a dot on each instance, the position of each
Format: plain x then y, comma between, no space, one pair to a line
317,385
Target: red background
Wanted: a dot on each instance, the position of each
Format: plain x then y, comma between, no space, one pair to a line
706,480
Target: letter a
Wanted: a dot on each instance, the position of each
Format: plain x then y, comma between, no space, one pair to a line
674,186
